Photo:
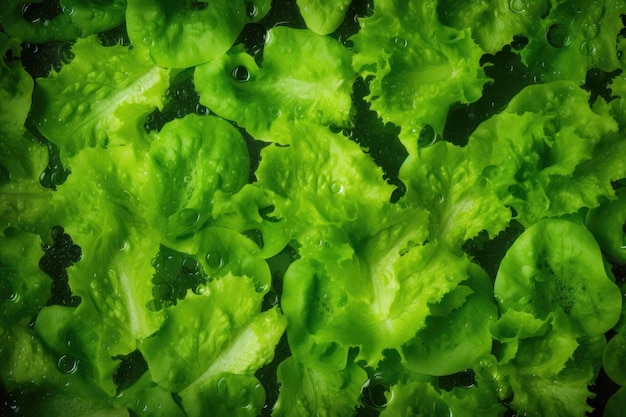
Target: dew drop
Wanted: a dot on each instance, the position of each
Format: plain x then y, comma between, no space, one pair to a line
401,42
251,10
241,74
588,48
67,364
214,260
7,292
558,35
141,406
188,216
518,6
190,266
428,136
336,188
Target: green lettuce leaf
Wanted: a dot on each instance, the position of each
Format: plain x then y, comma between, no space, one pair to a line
560,157
455,337
101,216
93,16
493,23
218,329
614,358
460,201
423,398
313,390
314,84
37,21
100,98
419,67
181,34
607,225
24,288
323,17
191,159
616,403
574,37
556,265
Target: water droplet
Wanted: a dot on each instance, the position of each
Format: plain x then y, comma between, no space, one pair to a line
558,35
439,198
163,290
336,188
67,364
251,10
241,74
187,216
588,48
141,406
401,42
518,6
466,378
148,42
190,266
202,290
428,136
7,291
214,260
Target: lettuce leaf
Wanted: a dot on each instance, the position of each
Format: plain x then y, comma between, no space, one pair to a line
419,67
314,84
98,98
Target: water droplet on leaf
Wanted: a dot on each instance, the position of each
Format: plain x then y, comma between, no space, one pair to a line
67,364
241,74
558,35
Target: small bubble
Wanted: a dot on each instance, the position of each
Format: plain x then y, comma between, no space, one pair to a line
336,188
214,260
67,364
202,289
588,48
141,406
466,378
251,10
558,35
188,216
518,6
241,74
190,266
7,292
401,42
428,136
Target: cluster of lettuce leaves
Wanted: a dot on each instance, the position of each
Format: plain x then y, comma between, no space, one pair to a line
156,273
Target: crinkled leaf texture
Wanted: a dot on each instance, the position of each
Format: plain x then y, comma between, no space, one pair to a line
561,156
191,159
460,200
419,67
102,216
494,23
304,390
556,265
35,28
556,302
574,37
313,84
323,17
181,34
421,398
100,98
217,330
607,225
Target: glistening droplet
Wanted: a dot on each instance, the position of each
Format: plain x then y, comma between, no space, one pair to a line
558,35
241,74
